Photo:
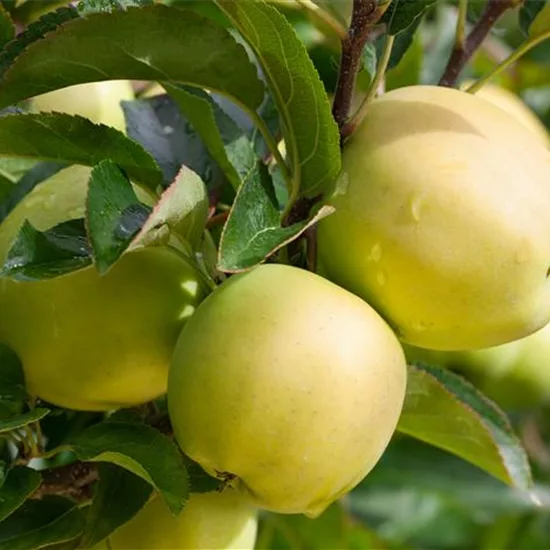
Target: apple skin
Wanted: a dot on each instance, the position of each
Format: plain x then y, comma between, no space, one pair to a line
289,383
512,104
209,521
441,220
91,342
515,375
97,101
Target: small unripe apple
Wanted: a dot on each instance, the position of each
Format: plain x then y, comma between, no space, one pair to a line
286,385
441,220
97,101
86,341
516,375
512,104
209,521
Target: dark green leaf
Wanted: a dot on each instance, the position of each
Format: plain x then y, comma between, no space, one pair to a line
199,480
143,451
529,12
20,483
443,409
7,28
35,255
39,523
24,419
253,230
403,13
118,497
408,70
12,380
159,126
139,43
182,209
110,195
310,133
401,44
75,140
225,141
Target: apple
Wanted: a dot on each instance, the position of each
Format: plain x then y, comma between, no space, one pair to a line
97,101
512,104
516,375
209,521
91,342
286,386
441,220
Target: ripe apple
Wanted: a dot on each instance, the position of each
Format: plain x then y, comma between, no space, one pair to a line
86,341
516,375
512,104
209,521
98,101
441,220
286,385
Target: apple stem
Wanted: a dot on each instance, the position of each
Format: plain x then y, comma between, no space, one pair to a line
365,14
464,49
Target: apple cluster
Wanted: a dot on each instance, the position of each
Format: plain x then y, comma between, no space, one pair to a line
287,384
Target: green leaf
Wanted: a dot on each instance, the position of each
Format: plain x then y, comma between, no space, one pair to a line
85,7
253,229
7,28
402,44
369,61
39,523
403,13
12,379
35,255
158,125
19,484
110,46
20,420
110,195
225,141
143,451
118,498
309,130
183,209
13,169
443,409
406,61
75,140
199,480
534,17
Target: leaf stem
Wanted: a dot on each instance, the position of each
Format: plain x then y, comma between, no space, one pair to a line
461,24
512,58
324,17
375,84
465,49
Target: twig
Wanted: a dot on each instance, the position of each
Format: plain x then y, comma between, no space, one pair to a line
72,480
463,50
365,14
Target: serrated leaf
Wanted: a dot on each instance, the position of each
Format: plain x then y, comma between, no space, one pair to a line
183,209
443,409
85,7
309,130
37,255
34,32
158,125
39,523
75,140
19,484
24,419
253,230
109,221
532,13
7,28
225,141
111,46
119,496
403,13
141,450
12,380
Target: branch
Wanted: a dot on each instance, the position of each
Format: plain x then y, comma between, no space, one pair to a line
72,480
464,49
365,14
